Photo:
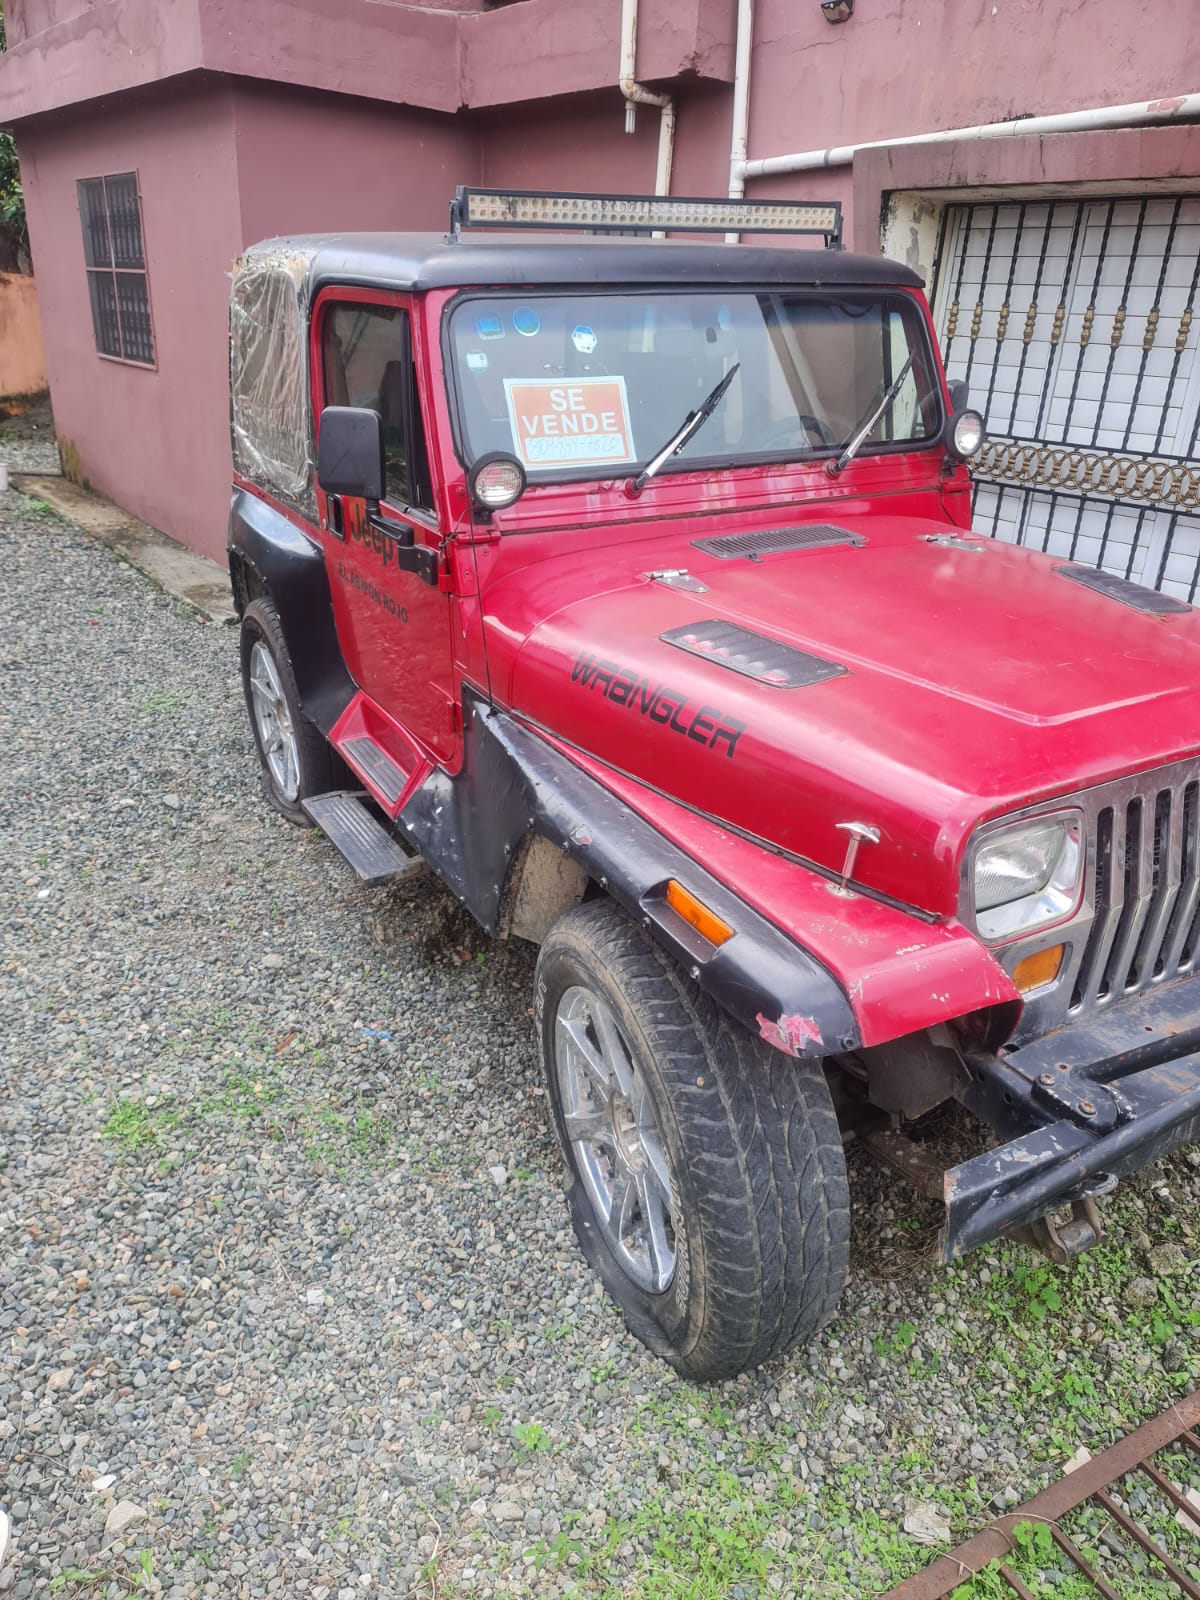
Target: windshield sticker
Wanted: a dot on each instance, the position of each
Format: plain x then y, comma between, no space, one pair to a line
584,340
489,327
580,424
477,361
527,321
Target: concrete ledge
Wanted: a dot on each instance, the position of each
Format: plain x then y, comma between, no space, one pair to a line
194,579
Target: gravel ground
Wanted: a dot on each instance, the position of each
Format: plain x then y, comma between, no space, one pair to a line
27,437
288,1296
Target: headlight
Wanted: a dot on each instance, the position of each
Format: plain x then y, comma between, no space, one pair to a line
967,434
1027,877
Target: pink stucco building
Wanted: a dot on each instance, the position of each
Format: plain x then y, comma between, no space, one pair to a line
158,137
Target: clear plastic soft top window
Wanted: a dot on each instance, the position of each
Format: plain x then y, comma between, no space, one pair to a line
271,408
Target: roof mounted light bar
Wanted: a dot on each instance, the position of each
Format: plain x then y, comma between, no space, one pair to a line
639,213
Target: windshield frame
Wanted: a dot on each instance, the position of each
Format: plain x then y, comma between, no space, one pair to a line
926,365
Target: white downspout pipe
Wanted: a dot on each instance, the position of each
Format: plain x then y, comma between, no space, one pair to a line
1168,109
743,51
636,95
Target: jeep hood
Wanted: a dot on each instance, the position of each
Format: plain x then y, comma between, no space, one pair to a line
948,680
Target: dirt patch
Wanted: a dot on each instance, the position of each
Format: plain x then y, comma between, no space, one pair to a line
27,418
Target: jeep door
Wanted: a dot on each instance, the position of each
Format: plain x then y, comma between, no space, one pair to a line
393,623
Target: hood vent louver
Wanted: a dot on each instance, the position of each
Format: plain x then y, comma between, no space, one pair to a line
774,541
1124,592
779,666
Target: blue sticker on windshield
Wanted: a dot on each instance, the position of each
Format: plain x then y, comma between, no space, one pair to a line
527,321
584,340
489,327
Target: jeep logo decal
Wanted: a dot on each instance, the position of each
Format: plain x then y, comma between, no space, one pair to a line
667,707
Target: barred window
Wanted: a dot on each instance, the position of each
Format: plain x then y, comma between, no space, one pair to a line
110,210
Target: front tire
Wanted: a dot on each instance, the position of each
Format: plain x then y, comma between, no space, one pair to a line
705,1171
294,756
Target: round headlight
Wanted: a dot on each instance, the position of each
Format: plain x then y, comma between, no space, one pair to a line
966,434
496,481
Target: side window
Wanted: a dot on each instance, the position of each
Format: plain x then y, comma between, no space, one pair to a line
368,362
110,210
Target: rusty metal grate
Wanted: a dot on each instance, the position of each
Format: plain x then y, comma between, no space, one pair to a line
1110,1485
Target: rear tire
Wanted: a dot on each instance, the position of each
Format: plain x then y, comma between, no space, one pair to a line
296,759
741,1253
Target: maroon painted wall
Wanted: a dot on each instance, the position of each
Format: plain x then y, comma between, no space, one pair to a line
153,440
912,66
318,163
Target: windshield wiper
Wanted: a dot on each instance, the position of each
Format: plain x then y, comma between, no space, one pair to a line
692,424
857,439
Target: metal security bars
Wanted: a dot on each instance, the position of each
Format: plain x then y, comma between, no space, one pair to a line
1074,322
110,211
1124,1522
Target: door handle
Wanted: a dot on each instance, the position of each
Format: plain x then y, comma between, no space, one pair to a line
410,556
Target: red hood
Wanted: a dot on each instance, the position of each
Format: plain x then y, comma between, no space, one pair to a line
977,680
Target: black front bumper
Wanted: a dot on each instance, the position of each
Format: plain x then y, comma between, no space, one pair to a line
1080,1108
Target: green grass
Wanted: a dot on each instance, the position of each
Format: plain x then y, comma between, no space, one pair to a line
133,1125
530,1438
161,701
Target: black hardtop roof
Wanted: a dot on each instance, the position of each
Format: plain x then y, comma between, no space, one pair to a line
436,261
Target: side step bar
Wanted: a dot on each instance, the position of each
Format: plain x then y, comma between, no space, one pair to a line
375,854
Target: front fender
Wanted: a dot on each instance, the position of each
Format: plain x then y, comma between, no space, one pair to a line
290,567
513,782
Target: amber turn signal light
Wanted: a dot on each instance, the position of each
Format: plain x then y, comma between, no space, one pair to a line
1033,971
696,914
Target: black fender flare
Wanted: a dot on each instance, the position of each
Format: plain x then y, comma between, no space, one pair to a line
469,826
290,567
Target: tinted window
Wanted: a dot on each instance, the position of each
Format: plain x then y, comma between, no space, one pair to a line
368,362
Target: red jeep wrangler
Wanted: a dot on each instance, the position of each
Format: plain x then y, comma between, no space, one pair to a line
628,585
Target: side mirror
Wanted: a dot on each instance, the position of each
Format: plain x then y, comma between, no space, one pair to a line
960,393
350,458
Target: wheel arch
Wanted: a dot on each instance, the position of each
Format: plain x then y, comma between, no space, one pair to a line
473,826
542,884
270,556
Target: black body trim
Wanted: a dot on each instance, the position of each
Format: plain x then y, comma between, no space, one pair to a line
290,566
512,783
1087,1104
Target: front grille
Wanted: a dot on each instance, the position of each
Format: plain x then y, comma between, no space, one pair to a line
1145,926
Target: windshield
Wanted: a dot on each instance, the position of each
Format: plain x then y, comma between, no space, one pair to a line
592,385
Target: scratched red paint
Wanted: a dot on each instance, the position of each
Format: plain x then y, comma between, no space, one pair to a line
791,1033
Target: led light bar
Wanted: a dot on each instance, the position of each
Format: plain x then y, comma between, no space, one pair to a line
634,213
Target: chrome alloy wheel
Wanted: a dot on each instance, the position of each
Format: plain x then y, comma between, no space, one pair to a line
614,1137
273,721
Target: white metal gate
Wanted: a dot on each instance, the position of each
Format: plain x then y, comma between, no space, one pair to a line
1074,323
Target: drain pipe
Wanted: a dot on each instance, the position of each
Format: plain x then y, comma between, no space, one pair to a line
743,51
636,95
1171,108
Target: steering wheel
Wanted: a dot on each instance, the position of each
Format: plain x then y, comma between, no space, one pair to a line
802,430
